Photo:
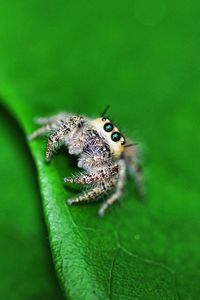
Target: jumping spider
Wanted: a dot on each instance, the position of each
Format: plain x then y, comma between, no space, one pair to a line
102,151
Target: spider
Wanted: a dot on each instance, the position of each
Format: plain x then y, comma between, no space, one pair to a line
103,154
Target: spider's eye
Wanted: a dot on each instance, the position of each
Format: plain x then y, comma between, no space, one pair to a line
115,136
108,127
103,119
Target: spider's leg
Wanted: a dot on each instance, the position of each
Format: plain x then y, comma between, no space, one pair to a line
44,130
52,119
93,193
55,140
131,156
50,124
58,137
93,177
139,178
119,189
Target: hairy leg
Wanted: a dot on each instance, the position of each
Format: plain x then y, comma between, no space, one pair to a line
51,124
58,137
91,178
139,178
134,169
44,130
57,130
52,119
119,189
93,193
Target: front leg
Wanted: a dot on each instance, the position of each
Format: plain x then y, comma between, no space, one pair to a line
53,119
119,189
131,155
94,177
93,193
56,139
50,125
57,128
136,169
44,130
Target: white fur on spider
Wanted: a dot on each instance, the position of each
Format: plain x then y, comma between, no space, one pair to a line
102,153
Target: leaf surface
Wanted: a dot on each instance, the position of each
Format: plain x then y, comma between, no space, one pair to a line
78,58
26,264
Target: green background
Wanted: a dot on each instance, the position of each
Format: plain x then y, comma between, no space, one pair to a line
143,59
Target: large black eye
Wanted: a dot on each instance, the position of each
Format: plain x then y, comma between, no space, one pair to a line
115,136
108,127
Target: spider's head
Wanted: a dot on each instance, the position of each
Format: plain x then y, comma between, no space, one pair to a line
111,134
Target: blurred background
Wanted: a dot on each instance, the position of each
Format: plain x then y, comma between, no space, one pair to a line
142,58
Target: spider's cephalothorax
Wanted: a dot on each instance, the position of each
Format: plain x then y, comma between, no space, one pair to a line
102,153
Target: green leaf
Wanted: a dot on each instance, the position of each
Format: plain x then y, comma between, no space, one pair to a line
26,268
78,57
